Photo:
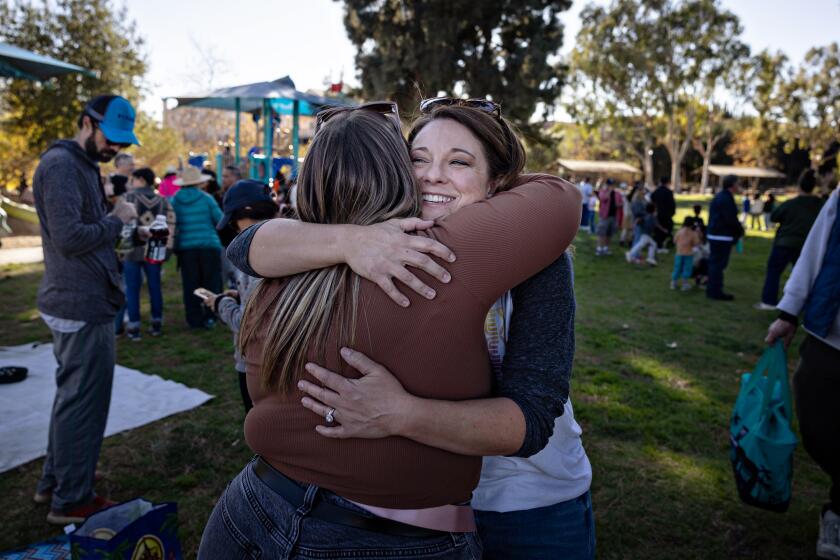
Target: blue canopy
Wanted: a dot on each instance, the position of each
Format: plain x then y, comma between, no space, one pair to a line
281,94
16,62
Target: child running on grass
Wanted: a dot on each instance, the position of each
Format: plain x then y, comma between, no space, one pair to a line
686,241
647,227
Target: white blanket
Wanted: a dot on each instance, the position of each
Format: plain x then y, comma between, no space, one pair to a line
136,399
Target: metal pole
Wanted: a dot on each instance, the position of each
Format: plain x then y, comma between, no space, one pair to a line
236,137
295,136
268,134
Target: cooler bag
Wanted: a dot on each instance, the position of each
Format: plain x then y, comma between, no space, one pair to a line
760,434
135,530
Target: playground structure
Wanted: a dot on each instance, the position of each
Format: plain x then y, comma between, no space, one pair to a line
262,100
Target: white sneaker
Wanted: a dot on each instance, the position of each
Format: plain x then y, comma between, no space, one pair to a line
686,287
628,256
761,306
673,285
651,262
828,544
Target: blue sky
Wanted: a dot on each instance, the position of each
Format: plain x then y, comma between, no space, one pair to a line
256,40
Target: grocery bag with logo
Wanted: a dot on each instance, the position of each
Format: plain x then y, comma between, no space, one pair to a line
760,434
134,530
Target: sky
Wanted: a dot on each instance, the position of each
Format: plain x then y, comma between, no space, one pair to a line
262,40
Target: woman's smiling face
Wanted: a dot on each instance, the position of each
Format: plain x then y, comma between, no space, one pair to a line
450,166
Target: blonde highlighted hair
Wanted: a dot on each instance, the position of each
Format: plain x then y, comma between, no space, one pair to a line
357,171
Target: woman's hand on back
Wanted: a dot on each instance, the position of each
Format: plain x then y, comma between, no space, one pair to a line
372,406
382,252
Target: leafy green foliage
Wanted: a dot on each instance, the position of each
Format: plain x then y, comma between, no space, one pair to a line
88,33
408,49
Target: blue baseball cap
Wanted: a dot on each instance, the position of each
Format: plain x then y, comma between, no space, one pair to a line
241,194
115,117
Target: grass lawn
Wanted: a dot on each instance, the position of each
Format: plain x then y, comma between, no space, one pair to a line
655,418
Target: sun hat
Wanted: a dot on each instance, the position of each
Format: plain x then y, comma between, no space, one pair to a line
241,194
191,176
116,121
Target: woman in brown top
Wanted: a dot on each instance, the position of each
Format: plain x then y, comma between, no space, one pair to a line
358,172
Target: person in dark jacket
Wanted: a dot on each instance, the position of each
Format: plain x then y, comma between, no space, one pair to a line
78,298
666,207
723,232
795,216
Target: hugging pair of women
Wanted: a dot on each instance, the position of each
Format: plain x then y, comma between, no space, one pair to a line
391,424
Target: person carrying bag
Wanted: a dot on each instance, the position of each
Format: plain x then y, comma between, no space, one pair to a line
762,440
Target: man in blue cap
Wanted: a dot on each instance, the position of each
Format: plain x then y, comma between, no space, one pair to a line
78,299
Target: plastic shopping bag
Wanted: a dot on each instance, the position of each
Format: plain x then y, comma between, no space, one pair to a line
135,530
761,439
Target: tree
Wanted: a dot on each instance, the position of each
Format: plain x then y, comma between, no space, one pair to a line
652,58
813,108
712,129
765,81
89,33
413,48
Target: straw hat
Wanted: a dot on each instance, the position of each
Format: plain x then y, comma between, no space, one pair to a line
191,176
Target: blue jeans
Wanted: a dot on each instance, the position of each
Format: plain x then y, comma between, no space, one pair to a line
250,520
563,531
683,265
134,271
778,260
719,252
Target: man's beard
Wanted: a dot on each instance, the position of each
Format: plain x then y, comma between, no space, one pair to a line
103,156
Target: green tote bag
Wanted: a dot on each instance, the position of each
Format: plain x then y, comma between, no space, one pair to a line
761,439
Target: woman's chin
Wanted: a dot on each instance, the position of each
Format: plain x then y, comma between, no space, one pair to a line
435,210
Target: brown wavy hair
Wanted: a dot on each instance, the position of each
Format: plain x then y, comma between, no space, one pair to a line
502,147
357,171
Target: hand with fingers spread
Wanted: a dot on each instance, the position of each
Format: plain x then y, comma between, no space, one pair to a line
382,252
368,407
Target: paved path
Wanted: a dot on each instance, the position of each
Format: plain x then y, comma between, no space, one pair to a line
21,255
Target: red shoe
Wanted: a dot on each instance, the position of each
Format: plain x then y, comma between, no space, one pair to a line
79,513
43,498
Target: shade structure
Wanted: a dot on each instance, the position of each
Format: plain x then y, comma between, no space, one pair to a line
752,172
598,167
19,63
276,97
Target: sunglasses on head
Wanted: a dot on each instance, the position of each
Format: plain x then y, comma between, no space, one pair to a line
386,108
485,105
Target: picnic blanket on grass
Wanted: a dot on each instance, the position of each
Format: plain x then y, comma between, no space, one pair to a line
137,399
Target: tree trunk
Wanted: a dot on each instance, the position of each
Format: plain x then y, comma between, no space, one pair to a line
704,178
647,162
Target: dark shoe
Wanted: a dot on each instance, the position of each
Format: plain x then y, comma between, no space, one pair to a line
157,328
79,513
12,374
133,335
721,297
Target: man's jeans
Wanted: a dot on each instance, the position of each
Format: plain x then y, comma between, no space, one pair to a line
250,520
563,531
778,260
134,271
719,252
83,395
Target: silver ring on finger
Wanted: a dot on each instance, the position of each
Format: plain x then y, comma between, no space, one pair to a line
330,415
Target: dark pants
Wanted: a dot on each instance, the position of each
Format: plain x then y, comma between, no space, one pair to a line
662,236
816,388
778,260
83,381
243,390
200,268
719,252
565,530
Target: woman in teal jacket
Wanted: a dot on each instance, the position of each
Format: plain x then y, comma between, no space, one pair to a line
197,244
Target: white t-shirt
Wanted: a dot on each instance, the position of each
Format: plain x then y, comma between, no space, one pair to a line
586,191
62,325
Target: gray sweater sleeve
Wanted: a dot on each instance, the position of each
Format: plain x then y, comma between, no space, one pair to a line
237,251
537,366
61,203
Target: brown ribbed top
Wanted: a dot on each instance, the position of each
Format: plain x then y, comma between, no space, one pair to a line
435,348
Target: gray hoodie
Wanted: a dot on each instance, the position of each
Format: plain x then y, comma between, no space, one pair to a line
81,277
